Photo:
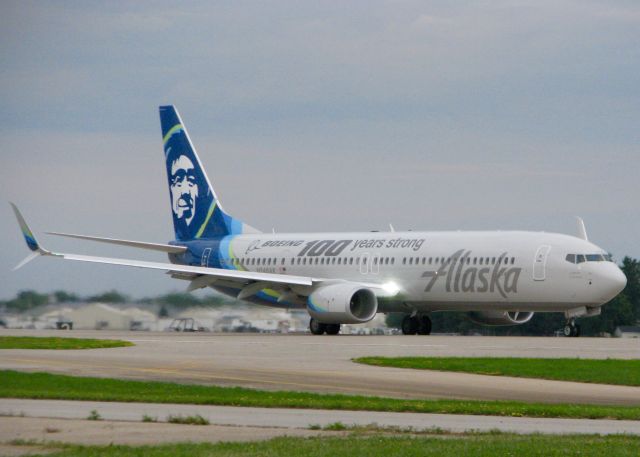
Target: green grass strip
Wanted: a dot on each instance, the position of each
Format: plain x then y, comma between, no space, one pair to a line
606,371
15,384
29,342
356,445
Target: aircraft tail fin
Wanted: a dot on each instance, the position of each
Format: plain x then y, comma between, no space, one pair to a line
195,207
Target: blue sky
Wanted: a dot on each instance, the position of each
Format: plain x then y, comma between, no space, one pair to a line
317,116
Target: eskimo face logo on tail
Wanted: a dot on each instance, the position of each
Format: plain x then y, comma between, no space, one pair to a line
184,189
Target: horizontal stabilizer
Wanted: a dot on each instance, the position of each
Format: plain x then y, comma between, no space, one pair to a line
132,244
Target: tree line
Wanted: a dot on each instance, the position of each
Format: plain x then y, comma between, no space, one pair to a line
29,299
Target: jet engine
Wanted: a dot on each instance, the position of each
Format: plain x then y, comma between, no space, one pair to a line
342,304
501,317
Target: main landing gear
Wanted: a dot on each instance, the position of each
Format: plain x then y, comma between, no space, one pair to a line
318,328
418,324
571,329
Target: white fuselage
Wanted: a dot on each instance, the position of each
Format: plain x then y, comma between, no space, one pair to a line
466,271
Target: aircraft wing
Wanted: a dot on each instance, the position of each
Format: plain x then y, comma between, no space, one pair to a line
249,282
169,248
238,276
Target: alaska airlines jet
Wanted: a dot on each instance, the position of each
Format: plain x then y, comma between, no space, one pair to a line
499,278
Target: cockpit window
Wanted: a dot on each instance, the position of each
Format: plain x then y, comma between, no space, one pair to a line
580,258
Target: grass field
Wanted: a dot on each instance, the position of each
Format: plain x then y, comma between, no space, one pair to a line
15,384
29,342
356,445
607,371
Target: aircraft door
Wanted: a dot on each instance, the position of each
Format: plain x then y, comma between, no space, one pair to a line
205,257
540,263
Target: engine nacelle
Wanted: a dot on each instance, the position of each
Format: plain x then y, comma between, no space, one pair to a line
342,304
501,317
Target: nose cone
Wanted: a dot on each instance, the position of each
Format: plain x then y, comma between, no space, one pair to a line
613,281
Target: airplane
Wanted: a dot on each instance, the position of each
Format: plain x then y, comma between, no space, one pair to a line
497,277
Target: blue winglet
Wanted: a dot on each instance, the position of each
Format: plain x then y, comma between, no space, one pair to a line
32,243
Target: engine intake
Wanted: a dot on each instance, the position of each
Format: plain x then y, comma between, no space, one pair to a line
501,317
342,304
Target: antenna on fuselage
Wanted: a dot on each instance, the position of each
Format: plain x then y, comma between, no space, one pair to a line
391,228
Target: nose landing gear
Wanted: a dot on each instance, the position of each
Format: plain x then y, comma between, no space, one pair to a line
418,324
571,329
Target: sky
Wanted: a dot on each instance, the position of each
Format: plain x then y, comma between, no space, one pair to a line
315,116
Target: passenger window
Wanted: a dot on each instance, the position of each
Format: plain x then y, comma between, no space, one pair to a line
393,260
513,259
404,261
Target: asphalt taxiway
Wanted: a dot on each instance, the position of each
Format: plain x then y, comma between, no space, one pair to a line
323,363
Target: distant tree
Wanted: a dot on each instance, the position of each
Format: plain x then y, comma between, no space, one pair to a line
26,300
65,297
216,300
631,268
178,299
112,296
163,311
394,320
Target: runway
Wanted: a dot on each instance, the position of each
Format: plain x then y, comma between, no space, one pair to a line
297,419
323,363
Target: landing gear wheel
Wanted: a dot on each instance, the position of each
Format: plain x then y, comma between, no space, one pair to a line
424,325
571,329
333,329
410,325
317,328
